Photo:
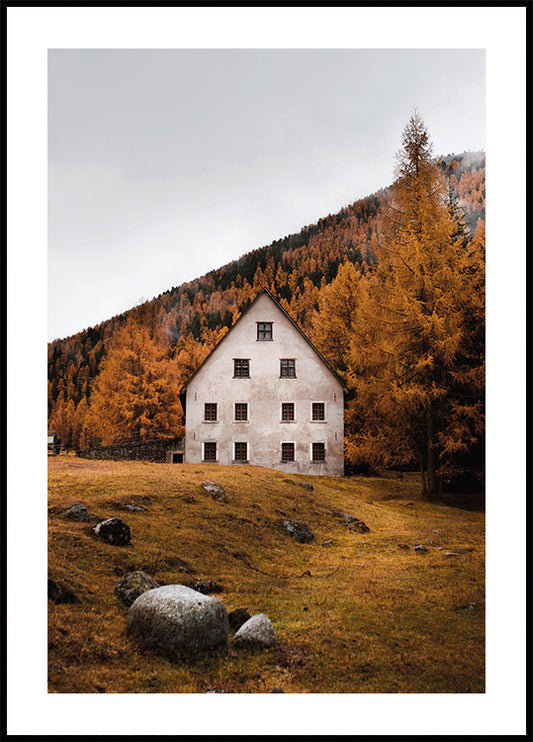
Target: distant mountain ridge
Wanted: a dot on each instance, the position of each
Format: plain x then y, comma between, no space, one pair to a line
189,319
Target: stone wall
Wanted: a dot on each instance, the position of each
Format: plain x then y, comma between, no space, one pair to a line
158,450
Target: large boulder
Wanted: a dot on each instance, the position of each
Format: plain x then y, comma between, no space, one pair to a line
133,584
299,531
176,618
257,632
114,531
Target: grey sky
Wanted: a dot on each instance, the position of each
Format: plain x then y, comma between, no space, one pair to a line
165,164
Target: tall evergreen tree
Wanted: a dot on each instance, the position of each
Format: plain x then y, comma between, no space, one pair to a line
411,355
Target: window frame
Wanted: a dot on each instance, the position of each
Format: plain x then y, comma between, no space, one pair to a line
240,460
283,450
287,361
267,330
207,419
288,419
204,457
240,419
320,406
318,460
240,375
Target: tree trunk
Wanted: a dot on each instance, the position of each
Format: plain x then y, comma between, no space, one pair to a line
422,474
431,478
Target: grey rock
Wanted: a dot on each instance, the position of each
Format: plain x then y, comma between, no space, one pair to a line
113,531
352,522
175,618
133,584
299,531
421,547
257,632
306,485
135,508
79,512
215,489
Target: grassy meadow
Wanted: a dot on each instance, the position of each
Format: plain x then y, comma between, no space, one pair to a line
352,612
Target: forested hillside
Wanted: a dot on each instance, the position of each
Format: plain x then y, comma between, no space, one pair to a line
121,379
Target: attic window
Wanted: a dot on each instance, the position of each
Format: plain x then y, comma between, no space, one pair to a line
264,330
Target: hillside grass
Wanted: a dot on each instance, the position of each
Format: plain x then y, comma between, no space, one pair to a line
352,612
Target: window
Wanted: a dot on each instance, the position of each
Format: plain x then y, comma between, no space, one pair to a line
287,411
287,452
241,452
319,452
287,368
264,330
319,411
241,368
241,411
210,412
210,451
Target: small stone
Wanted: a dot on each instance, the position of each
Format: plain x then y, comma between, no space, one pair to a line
352,521
79,512
421,547
135,508
113,531
306,485
298,530
216,490
257,632
451,553
133,584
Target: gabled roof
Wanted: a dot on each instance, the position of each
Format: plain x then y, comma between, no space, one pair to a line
293,323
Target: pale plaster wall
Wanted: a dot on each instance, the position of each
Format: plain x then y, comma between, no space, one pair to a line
264,392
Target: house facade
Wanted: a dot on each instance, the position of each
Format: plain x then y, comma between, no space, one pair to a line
265,396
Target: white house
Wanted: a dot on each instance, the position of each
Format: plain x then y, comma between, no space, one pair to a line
266,396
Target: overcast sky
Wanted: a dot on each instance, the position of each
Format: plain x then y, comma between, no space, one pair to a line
165,164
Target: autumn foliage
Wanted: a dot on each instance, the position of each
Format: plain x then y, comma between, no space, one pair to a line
390,289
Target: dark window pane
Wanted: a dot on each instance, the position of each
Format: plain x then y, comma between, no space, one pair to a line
210,451
319,412
241,411
288,368
319,452
287,451
241,452
241,368
287,411
210,411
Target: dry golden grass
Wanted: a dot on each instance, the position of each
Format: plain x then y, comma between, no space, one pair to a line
352,612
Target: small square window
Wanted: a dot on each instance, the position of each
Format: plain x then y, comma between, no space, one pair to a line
264,330
319,411
241,411
210,412
287,452
319,452
241,368
241,452
287,411
287,368
210,451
